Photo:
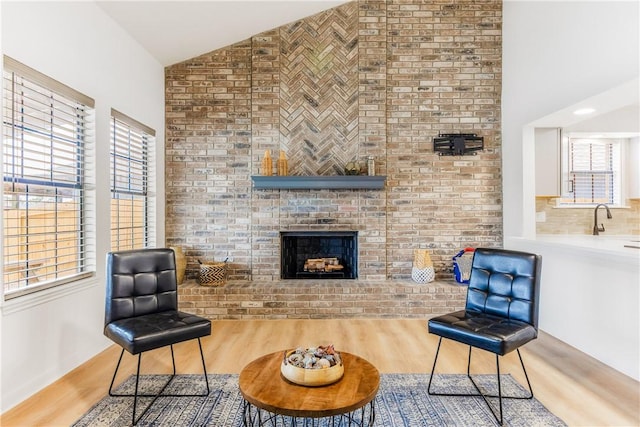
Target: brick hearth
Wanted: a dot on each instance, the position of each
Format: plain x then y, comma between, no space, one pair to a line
320,299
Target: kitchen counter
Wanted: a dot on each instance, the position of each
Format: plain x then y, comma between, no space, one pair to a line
609,247
589,294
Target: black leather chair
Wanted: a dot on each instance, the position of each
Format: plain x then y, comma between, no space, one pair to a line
501,313
142,314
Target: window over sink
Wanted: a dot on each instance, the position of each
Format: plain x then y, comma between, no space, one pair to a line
592,171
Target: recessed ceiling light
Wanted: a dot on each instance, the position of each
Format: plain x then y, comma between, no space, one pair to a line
583,111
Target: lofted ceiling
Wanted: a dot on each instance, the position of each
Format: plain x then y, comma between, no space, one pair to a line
174,31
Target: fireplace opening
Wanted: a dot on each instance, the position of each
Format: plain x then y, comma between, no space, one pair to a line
319,254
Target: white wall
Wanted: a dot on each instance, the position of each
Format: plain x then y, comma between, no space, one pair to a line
46,334
554,55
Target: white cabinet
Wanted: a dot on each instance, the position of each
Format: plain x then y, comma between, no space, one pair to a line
547,142
633,166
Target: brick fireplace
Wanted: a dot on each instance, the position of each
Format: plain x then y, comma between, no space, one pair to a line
297,247
370,77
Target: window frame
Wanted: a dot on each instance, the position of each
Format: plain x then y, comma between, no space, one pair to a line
143,163
81,140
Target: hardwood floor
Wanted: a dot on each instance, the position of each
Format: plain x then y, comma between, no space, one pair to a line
574,386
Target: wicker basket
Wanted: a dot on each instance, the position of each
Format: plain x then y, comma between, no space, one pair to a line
213,273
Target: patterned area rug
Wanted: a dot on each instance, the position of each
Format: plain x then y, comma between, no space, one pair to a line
402,400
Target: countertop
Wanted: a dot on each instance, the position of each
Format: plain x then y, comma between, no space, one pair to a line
609,247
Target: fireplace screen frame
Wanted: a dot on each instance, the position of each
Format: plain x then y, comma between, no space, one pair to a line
325,246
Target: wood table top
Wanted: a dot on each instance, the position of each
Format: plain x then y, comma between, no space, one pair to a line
262,385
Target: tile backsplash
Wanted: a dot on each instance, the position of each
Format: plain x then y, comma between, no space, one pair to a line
625,221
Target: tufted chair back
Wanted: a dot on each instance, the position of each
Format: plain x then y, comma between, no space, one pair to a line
505,283
139,282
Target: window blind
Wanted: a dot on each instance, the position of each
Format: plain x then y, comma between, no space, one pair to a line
45,136
130,170
593,171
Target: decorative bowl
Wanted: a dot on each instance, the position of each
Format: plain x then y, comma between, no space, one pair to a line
310,377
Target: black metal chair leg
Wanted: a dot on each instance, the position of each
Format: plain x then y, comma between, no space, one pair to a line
115,373
525,376
111,393
499,396
499,388
173,360
530,396
432,369
499,418
136,395
204,367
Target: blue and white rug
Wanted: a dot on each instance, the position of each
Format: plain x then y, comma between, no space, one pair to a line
402,401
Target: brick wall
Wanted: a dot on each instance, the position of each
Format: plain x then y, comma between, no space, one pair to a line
368,78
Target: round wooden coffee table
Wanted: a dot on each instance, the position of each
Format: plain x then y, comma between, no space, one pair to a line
270,399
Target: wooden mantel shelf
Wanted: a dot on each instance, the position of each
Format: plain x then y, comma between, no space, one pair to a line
336,182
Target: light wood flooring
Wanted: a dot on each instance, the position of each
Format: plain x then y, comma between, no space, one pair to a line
574,386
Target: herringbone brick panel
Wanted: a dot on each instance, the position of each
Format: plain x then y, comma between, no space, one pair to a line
319,92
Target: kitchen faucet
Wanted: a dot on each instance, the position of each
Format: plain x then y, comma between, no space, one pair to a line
597,229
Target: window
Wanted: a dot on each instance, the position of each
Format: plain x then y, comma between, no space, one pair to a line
131,143
593,171
46,129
